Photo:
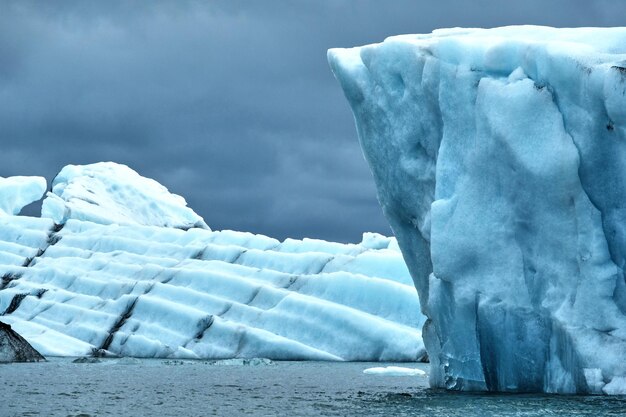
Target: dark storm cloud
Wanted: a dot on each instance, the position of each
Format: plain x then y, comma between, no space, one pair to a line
228,103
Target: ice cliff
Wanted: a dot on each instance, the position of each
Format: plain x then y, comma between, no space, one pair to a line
79,287
500,161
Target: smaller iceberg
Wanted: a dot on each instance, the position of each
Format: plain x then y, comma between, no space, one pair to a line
111,193
118,266
18,192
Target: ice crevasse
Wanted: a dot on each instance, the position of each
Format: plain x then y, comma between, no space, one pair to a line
100,274
499,157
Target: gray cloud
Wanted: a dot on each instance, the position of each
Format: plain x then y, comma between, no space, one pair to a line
228,103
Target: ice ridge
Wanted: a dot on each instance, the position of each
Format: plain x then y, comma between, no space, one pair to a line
84,288
111,193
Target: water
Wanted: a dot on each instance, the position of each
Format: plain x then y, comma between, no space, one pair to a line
197,388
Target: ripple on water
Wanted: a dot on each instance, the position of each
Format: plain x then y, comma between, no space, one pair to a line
149,387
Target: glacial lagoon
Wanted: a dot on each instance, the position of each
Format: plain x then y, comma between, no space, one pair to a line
144,387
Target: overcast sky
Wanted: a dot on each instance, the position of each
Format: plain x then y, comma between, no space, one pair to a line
228,103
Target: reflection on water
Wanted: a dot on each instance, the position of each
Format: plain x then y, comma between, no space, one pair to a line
182,388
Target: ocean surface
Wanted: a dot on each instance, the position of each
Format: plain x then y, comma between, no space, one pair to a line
203,388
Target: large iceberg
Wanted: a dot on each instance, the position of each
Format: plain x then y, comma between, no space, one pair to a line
500,161
111,193
73,287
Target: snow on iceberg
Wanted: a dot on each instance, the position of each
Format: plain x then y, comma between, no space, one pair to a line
18,192
111,193
83,288
499,157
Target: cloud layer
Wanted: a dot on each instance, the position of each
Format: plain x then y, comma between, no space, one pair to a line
228,103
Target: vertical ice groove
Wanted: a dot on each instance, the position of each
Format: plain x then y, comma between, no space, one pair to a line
518,253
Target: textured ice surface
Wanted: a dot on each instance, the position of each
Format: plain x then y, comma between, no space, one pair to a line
83,288
17,192
499,157
110,193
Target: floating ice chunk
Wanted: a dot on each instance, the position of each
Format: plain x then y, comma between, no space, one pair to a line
242,362
224,362
110,193
18,192
89,360
394,371
499,158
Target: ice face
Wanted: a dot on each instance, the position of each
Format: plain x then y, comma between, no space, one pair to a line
110,193
499,161
142,291
18,192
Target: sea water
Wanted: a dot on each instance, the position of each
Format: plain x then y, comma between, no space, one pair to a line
231,388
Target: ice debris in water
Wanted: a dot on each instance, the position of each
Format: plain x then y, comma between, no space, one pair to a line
499,157
241,362
394,371
224,362
84,359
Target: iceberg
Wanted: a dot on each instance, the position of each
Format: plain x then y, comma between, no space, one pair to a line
18,192
499,159
111,193
74,287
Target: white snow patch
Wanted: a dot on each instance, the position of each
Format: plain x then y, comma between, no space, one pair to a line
394,371
110,193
